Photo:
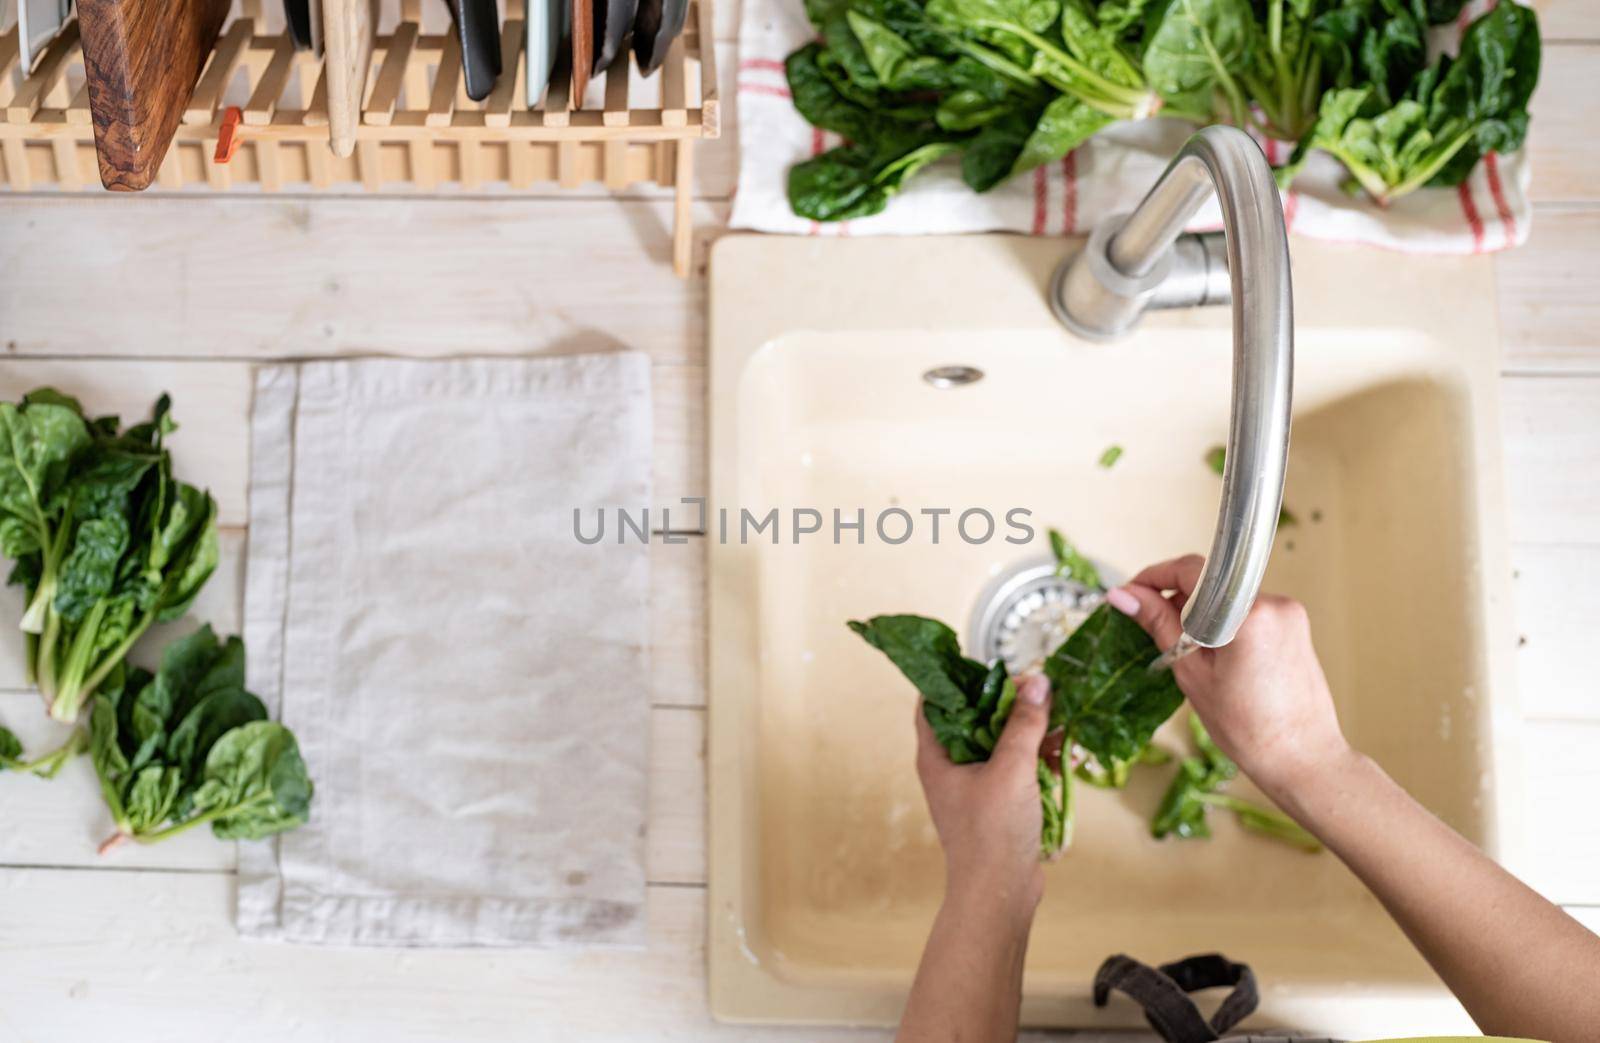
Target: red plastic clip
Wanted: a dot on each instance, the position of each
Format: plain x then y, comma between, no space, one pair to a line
228,134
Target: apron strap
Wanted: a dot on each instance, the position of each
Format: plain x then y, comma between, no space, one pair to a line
1163,992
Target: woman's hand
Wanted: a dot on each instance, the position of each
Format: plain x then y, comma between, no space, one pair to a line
987,814
1263,697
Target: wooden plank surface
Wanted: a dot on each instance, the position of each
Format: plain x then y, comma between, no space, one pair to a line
1549,310
1552,446
120,952
398,276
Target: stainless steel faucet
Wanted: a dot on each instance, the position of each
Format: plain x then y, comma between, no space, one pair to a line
1142,260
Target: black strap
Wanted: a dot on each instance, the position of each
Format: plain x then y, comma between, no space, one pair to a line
1163,992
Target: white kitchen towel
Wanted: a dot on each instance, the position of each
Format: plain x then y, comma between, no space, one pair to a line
467,680
1107,174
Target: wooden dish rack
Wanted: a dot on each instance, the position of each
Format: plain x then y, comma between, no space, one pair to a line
418,129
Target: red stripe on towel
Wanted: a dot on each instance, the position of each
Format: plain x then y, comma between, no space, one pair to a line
1041,194
1069,203
1469,210
1491,168
816,150
763,64
764,88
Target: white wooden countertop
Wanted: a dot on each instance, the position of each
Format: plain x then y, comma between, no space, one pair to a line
119,298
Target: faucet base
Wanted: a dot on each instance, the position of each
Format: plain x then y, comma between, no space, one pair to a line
1096,301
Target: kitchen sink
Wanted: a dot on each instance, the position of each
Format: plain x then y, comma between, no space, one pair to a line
825,872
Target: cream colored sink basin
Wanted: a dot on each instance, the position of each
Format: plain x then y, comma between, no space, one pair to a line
825,871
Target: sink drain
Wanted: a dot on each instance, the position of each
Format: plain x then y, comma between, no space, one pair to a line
1027,611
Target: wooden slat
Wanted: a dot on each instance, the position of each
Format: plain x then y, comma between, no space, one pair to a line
369,165
446,83
202,107
424,159
567,172
319,160
674,100
1549,312
379,109
520,160
10,54
64,152
47,71
218,175
710,88
682,220
316,114
78,113
470,164
615,113
1562,145
269,165
1552,450
558,97
170,174
269,88
497,106
614,164
18,176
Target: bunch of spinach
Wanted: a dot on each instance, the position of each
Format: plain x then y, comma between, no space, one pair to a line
189,745
1013,84
1197,788
1429,125
998,81
105,541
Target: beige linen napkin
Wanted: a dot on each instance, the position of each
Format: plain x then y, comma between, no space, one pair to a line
467,680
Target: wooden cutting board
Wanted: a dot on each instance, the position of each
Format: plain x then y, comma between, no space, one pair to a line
347,51
141,59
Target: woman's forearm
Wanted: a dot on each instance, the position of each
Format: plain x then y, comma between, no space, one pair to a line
1518,963
969,983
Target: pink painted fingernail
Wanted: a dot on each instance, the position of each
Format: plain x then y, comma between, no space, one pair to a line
1033,689
1123,601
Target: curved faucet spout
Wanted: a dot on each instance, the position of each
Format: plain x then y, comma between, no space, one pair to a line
1143,260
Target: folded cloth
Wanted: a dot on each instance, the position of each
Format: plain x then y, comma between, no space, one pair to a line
1107,174
468,681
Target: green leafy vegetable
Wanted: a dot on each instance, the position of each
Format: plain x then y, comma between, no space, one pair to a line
47,765
190,746
106,542
1014,84
1448,116
965,702
1110,456
1106,698
1197,787
1072,565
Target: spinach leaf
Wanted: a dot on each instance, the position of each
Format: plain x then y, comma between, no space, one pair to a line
40,441
1197,787
1065,124
1195,47
966,704
255,784
107,543
855,180
1072,565
1110,456
1106,699
189,746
